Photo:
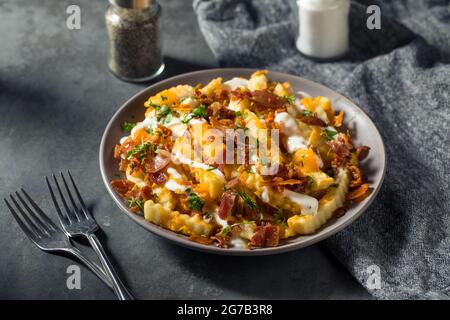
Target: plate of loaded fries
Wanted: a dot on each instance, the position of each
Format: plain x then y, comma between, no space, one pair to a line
242,161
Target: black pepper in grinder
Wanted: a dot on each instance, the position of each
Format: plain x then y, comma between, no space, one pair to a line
135,50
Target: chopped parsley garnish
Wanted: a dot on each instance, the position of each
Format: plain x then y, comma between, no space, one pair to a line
289,99
279,216
226,231
163,114
207,215
135,203
237,113
306,113
127,126
163,98
199,112
141,150
195,202
329,134
249,202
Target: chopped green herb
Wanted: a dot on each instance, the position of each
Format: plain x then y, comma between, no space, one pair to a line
127,126
279,216
199,112
135,203
329,134
249,202
163,114
289,99
141,150
149,131
226,231
163,98
237,113
306,113
207,215
167,119
195,202
309,180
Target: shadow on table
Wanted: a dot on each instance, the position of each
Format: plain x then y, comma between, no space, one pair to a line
174,67
309,273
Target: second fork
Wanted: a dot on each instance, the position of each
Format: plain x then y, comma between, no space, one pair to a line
78,221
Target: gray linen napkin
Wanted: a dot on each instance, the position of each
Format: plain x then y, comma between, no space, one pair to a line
400,76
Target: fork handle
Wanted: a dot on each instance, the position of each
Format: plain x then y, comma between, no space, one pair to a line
96,269
119,288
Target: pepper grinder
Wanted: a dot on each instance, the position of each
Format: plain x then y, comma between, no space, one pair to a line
135,43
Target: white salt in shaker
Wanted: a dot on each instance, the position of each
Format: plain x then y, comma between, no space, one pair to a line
323,28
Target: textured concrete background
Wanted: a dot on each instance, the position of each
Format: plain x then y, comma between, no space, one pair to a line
56,97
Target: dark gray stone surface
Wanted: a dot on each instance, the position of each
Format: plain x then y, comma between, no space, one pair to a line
56,97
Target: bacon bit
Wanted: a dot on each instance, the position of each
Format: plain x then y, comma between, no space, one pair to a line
267,99
339,119
232,183
356,176
364,196
339,212
228,123
361,191
158,177
362,152
340,148
122,186
239,94
265,236
123,165
225,113
236,230
227,203
221,241
312,120
146,192
117,151
201,239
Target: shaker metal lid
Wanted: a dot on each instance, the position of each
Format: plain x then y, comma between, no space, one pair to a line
131,4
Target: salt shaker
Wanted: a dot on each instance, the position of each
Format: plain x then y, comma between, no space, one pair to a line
324,31
135,44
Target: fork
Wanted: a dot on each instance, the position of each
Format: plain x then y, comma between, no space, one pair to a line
41,230
78,221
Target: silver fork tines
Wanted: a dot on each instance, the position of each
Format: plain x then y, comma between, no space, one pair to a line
78,221
41,230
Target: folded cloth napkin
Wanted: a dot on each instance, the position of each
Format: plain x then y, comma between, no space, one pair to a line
400,76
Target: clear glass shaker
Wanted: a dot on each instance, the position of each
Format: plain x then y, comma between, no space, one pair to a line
135,44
